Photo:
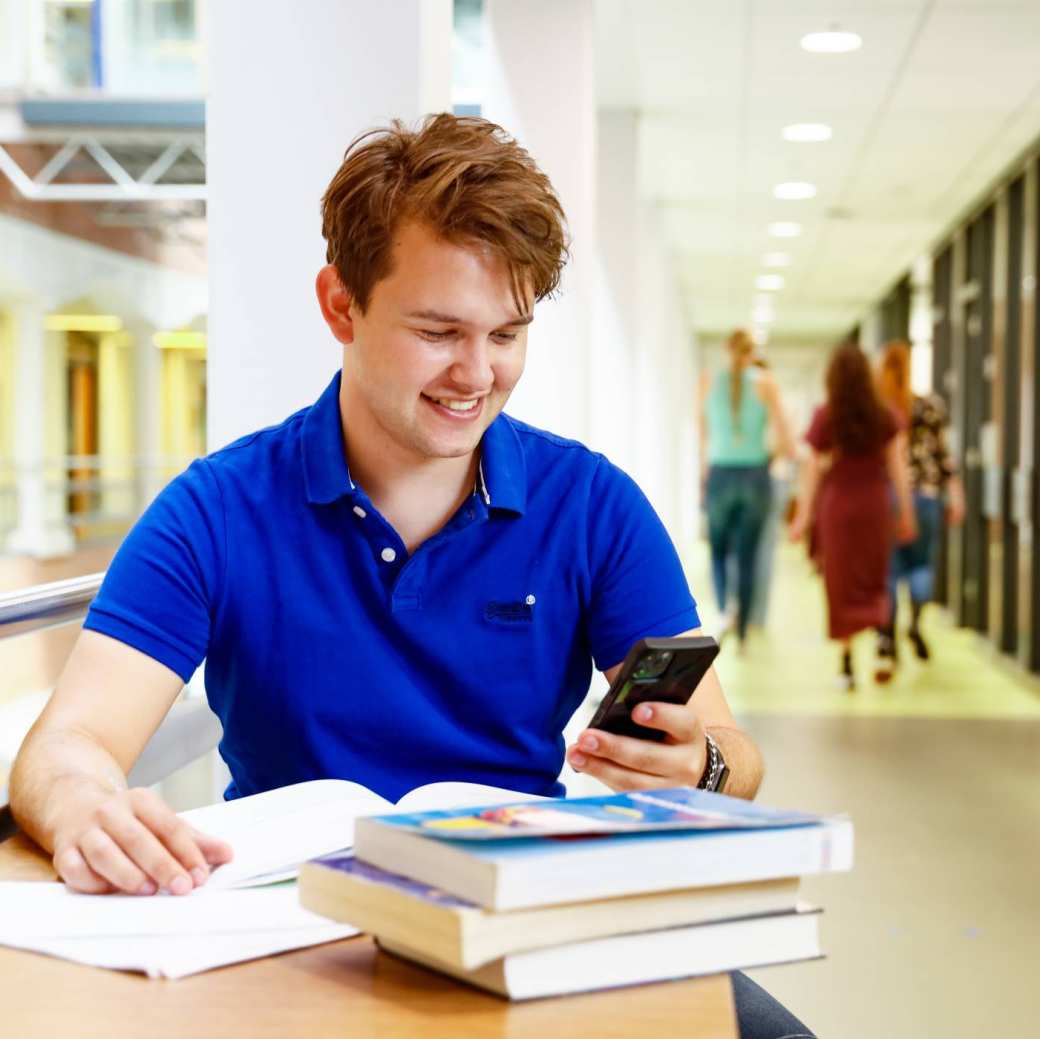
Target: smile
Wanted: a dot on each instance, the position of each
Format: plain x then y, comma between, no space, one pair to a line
459,408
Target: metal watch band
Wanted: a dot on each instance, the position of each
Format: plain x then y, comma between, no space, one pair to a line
715,770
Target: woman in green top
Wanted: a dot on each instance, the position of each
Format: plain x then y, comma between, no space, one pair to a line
742,423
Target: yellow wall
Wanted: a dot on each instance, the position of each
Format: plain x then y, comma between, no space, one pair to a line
116,439
183,397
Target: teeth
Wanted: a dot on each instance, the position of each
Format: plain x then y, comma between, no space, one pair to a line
456,405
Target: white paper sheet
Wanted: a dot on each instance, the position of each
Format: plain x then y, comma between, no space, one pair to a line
161,936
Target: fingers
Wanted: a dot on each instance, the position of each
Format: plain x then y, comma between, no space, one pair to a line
134,843
626,763
619,778
72,868
215,851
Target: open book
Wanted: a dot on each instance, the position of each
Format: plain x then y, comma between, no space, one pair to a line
273,833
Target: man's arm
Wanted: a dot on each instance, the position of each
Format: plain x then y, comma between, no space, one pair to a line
68,786
625,763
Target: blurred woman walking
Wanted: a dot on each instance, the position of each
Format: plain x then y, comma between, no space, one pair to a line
933,472
740,412
858,458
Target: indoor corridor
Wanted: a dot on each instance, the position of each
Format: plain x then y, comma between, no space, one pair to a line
933,934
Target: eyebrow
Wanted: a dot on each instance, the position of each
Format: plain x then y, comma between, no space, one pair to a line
449,319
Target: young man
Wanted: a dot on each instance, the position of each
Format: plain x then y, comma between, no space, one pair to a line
397,585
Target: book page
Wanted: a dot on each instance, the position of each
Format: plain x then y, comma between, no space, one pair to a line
161,936
274,832
459,795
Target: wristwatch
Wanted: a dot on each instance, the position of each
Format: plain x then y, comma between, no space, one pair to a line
716,771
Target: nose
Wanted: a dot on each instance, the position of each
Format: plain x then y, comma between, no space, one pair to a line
471,367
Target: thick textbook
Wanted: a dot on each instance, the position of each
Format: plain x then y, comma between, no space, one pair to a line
510,870
463,935
634,959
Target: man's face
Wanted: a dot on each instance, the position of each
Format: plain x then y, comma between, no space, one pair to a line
439,349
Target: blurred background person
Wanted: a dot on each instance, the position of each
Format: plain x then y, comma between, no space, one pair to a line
740,415
858,458
932,473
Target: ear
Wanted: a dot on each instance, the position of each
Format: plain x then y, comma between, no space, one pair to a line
337,304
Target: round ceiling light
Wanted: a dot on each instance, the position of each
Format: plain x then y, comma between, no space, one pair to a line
805,133
795,190
785,229
833,41
769,282
777,260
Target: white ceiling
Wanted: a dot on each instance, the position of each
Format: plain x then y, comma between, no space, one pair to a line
940,99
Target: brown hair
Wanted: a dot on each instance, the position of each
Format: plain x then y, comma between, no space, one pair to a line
741,346
462,176
893,377
861,421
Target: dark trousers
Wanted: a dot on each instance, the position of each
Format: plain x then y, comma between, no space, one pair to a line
762,1017
737,499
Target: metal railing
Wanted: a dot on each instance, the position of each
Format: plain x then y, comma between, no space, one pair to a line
47,605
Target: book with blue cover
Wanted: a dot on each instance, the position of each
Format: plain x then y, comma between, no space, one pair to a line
681,808
507,857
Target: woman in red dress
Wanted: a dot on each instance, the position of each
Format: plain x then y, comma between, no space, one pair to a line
858,459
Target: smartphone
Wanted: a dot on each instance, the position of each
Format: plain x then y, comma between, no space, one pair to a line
658,671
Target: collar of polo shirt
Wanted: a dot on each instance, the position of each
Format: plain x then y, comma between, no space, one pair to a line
501,475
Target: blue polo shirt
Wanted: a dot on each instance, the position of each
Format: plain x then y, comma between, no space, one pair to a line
331,652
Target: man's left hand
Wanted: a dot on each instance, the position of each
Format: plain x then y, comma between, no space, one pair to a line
625,763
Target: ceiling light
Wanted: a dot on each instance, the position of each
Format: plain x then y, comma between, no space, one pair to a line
776,260
769,282
833,41
785,229
794,190
807,132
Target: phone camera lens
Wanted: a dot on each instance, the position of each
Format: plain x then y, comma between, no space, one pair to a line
653,664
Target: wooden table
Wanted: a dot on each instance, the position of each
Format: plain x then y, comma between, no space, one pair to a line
345,989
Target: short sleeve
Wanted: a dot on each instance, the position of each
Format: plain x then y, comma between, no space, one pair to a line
162,590
637,585
820,436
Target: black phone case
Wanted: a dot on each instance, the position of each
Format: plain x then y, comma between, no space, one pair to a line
691,657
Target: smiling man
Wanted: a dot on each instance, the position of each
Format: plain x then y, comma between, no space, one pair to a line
399,584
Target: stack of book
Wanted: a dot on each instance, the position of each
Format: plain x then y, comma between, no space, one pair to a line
558,896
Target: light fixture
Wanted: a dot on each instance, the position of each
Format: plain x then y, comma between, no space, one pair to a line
763,315
776,260
182,340
769,282
833,41
794,190
785,229
805,133
82,323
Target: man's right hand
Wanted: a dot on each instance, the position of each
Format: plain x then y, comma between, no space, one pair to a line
129,841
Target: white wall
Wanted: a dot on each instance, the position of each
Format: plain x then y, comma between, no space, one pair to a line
289,90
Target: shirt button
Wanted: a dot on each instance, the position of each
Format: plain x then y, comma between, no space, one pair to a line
389,555
358,511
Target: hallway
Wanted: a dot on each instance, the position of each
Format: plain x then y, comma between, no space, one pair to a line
933,934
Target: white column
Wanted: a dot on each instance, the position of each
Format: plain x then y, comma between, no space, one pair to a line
41,529
541,88
289,90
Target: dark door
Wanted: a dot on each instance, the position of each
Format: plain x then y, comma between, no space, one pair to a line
942,297
976,412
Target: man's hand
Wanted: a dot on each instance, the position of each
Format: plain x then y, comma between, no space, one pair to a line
624,763
129,841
